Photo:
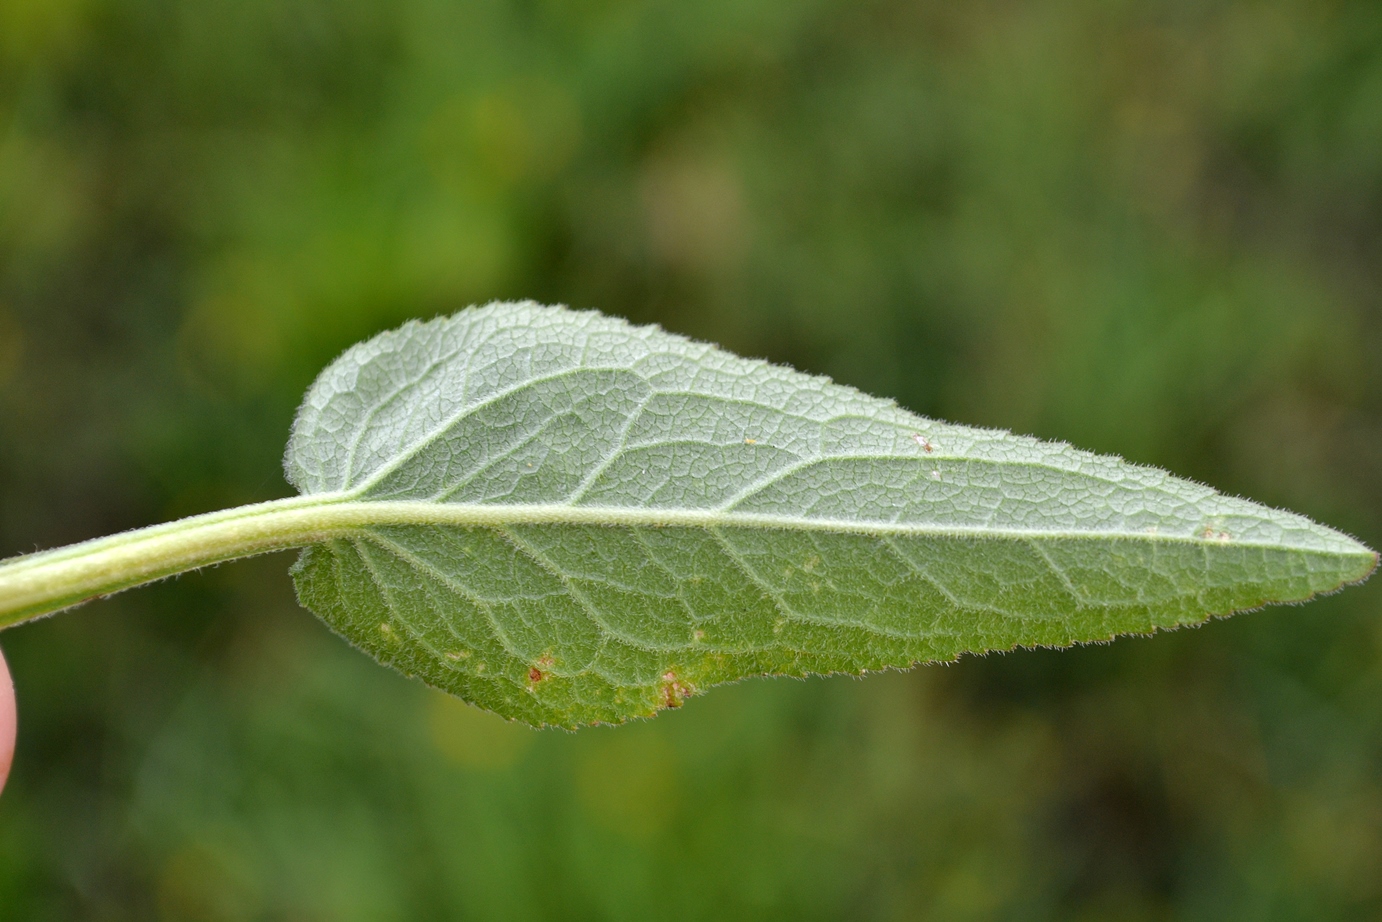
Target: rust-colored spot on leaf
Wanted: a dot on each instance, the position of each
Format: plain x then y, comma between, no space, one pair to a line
541,669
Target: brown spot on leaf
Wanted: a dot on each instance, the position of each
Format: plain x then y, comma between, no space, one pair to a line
536,675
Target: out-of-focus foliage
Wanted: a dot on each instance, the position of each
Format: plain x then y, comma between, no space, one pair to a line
1149,228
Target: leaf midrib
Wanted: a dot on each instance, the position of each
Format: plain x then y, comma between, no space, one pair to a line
346,513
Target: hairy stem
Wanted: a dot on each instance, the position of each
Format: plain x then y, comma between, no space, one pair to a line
39,584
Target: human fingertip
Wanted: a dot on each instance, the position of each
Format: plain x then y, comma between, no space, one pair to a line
8,721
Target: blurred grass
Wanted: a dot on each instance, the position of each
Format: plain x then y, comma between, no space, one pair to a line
1151,229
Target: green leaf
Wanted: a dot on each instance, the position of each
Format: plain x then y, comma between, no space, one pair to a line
567,519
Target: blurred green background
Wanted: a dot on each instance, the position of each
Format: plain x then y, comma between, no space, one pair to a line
1147,228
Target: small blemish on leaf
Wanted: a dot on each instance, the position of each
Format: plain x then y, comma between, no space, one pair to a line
541,668
386,629
699,635
924,442
674,690
935,475
750,441
454,655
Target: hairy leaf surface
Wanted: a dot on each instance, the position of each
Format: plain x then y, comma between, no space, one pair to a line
576,520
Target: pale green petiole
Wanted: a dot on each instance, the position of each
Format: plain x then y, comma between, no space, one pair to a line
39,584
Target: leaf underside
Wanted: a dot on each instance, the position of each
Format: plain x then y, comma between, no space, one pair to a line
735,519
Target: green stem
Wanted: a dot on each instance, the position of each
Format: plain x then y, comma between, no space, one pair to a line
39,584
